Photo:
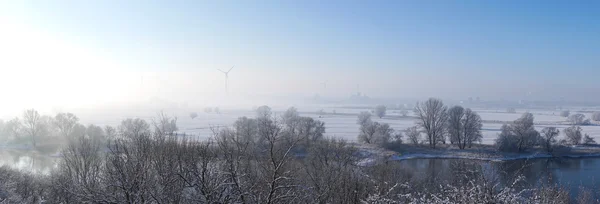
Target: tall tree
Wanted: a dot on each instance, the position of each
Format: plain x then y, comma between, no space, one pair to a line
380,111
432,118
31,118
464,126
549,135
64,123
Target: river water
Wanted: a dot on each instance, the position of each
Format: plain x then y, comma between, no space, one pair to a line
570,173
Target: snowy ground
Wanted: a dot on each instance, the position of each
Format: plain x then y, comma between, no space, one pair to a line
341,125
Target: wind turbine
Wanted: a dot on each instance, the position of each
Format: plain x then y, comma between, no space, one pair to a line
226,78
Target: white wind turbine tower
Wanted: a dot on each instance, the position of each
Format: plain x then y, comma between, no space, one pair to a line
226,78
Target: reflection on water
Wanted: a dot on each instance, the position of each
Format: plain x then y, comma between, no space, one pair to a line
28,160
572,173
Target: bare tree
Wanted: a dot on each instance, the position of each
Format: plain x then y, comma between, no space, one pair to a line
464,126
432,118
364,117
133,127
96,134
110,132
455,126
573,135
578,119
380,111
193,115
291,118
164,125
32,124
12,129
263,112
549,135
471,124
413,134
565,113
64,123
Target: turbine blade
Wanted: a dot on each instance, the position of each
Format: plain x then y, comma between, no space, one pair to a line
230,69
221,71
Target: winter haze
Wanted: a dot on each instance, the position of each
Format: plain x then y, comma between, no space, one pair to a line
81,54
299,101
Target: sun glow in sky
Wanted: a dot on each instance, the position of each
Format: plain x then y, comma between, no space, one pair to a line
87,53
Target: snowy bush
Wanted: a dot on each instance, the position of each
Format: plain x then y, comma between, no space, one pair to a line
596,116
578,119
565,113
380,111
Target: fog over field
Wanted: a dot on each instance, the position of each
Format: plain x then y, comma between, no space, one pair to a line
299,101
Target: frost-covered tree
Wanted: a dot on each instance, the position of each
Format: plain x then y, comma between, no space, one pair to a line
578,119
519,135
380,111
263,112
164,125
413,134
549,135
375,133
32,125
110,132
64,123
208,110
573,135
596,116
217,110
464,126
193,115
363,118
134,127
290,116
12,129
432,118
565,113
96,134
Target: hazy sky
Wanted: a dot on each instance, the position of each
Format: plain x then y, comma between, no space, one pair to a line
69,53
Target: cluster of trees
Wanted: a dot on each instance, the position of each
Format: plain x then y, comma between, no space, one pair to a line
265,159
579,119
381,111
375,132
521,135
34,128
461,126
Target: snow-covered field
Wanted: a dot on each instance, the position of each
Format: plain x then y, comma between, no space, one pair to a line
341,125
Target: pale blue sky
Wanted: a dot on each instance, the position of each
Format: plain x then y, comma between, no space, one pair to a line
450,49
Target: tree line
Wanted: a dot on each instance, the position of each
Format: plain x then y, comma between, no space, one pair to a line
462,127
261,159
